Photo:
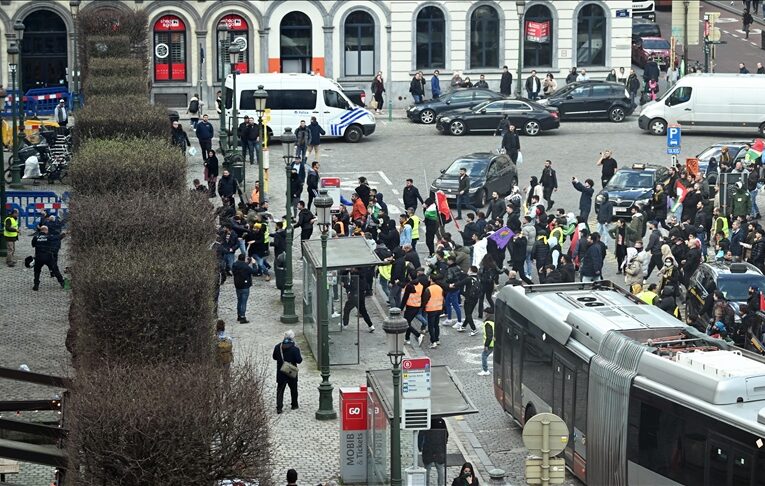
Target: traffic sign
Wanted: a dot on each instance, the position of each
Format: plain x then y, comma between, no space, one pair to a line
416,380
673,150
545,424
673,136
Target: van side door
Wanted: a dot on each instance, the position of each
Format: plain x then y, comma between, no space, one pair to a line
679,107
337,113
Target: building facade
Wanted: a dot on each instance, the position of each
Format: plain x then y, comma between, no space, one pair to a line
349,41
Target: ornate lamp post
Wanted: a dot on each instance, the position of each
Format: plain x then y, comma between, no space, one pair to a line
261,97
394,328
18,26
222,39
236,163
324,217
520,6
3,198
13,57
288,297
74,7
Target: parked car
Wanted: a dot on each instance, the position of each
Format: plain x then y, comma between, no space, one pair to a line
645,28
735,149
588,100
531,118
427,111
631,185
357,95
488,172
646,48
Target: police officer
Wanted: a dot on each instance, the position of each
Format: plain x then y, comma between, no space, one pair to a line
11,235
46,246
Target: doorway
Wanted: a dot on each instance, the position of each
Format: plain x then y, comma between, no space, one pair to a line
44,51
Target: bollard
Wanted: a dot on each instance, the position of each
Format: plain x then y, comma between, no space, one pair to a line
390,109
497,476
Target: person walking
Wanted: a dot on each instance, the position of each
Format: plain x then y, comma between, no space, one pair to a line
466,477
585,200
194,109
212,166
243,270
205,132
511,143
411,195
46,246
605,215
488,343
287,352
592,263
549,182
463,193
302,140
415,88
227,185
506,82
470,287
60,114
747,20
356,287
378,88
435,85
533,86
305,221
178,137
433,305
633,85
11,236
314,141
312,183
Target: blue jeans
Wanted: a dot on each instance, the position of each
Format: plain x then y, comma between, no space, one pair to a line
527,267
453,301
229,259
463,200
253,147
241,301
242,247
417,99
394,298
302,152
384,285
423,320
753,196
262,264
485,358
603,230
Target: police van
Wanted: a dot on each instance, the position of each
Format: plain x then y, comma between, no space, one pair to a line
293,97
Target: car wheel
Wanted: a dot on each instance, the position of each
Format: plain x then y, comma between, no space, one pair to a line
482,198
428,116
353,134
457,128
657,126
616,114
531,128
762,130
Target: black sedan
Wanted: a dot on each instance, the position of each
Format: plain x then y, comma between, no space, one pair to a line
427,111
529,117
591,100
489,172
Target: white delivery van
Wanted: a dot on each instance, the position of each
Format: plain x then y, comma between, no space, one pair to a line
293,97
709,102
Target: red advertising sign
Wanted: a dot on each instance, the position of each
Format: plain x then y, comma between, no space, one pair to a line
234,22
169,23
538,32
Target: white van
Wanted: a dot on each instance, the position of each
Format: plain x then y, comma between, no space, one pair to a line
293,97
711,102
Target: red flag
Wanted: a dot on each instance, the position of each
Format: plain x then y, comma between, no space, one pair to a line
762,302
572,249
681,191
442,206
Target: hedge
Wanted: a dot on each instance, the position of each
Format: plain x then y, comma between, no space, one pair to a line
120,117
124,85
130,28
135,219
146,303
123,166
107,47
117,67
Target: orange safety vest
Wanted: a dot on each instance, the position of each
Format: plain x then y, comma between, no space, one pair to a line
415,298
436,300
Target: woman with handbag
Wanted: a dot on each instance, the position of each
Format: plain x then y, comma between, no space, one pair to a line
378,88
287,356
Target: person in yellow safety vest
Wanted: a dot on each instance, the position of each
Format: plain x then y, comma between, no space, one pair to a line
11,235
414,222
649,295
488,344
433,303
412,300
720,223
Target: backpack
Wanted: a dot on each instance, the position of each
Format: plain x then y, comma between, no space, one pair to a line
224,351
487,276
194,106
474,291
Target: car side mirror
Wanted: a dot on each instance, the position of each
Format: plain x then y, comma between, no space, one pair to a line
483,110
569,97
443,171
448,102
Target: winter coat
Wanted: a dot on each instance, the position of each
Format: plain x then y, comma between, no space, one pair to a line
496,209
242,274
540,252
758,253
549,179
530,232
205,130
315,132
606,212
742,203
435,86
415,87
302,137
291,354
585,200
633,272
227,186
659,205
506,83
592,263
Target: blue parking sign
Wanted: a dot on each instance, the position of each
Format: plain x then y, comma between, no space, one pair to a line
673,136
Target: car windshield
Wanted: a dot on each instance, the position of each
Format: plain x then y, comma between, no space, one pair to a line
632,180
735,286
474,167
655,44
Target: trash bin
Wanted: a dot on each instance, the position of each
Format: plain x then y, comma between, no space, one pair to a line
280,270
236,166
762,39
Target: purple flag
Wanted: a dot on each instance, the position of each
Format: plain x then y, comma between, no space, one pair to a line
502,236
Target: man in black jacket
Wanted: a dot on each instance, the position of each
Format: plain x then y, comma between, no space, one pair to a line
305,221
356,285
506,82
511,143
46,247
415,88
497,208
549,181
463,193
312,182
286,351
243,272
411,195
585,200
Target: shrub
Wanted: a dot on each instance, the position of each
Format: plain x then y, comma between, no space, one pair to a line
134,219
169,424
149,303
120,117
117,67
110,85
107,47
123,166
105,23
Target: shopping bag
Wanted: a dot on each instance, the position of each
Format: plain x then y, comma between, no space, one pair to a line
373,104
193,151
519,161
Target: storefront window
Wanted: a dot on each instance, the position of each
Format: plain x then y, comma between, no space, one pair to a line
296,43
591,36
169,49
538,37
431,38
238,33
359,44
484,38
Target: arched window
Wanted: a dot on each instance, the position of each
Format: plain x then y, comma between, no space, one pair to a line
43,50
359,44
238,33
591,36
484,38
296,43
431,38
538,40
169,49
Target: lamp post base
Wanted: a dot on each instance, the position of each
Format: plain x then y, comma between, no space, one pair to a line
288,314
325,412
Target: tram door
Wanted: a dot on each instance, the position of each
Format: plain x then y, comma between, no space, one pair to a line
564,378
516,343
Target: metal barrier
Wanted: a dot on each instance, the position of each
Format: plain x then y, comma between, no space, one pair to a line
31,204
40,101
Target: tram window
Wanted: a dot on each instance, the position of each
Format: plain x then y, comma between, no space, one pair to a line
742,468
580,414
718,465
537,364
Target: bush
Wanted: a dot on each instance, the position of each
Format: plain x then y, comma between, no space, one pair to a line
107,47
132,28
124,85
169,424
130,220
123,166
120,117
117,67
149,303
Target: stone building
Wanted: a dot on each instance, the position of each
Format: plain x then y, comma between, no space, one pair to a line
346,40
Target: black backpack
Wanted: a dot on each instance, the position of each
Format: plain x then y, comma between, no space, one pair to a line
474,290
194,106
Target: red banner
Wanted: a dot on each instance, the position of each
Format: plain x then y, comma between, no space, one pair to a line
538,32
234,22
169,23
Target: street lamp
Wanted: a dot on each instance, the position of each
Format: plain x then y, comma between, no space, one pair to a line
3,198
74,7
13,57
288,297
261,97
18,26
222,39
520,6
394,328
324,217
237,166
